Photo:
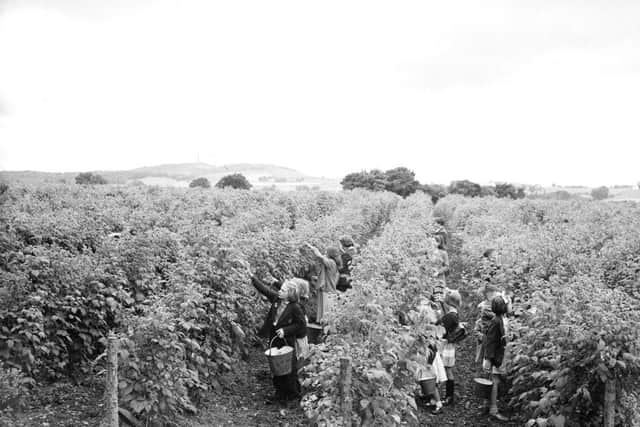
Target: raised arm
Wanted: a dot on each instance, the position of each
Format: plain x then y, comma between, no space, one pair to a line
265,290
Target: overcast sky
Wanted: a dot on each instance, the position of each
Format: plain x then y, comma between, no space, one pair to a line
520,91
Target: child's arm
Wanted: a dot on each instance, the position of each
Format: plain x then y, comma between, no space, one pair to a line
264,289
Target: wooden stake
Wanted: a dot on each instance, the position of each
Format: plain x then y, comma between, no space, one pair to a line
610,403
345,390
111,384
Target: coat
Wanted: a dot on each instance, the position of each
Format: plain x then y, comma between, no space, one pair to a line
292,320
495,342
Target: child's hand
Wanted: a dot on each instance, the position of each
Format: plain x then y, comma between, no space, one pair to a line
280,333
486,365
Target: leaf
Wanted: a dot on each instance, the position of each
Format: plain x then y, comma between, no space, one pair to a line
557,420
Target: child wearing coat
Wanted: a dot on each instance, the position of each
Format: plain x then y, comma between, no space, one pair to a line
284,324
328,277
432,367
451,323
485,315
495,342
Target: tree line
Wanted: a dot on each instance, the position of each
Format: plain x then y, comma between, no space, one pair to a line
402,181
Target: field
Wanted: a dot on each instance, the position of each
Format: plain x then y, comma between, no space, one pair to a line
163,268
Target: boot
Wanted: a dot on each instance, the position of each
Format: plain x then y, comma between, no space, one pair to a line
449,398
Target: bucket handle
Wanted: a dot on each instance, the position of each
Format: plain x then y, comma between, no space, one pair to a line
271,344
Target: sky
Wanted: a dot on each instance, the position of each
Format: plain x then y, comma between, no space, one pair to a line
535,92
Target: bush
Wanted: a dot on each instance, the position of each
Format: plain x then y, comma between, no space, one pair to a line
600,193
200,182
88,178
236,180
14,386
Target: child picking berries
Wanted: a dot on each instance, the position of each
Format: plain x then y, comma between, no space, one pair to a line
495,341
284,324
453,334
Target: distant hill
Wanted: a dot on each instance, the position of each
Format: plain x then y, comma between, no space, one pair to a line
181,174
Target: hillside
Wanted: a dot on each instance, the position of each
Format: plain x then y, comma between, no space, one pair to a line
180,174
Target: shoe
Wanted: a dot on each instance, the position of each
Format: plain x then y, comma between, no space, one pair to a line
448,401
437,410
499,416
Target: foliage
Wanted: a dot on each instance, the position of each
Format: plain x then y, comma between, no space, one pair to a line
14,386
600,193
391,272
236,180
374,180
200,182
509,190
89,178
465,188
575,272
436,191
162,267
399,180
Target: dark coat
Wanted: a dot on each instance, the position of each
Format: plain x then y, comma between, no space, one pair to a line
451,324
292,320
495,341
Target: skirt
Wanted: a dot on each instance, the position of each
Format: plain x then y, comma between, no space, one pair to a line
435,370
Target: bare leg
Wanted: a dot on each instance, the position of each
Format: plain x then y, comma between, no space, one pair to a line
493,402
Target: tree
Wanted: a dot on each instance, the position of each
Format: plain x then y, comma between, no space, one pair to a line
401,181
436,191
88,178
236,180
488,191
600,193
200,182
375,180
466,188
509,190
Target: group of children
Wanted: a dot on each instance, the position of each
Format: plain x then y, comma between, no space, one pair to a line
286,321
491,331
286,324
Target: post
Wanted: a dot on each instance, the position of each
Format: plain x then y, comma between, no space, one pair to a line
609,403
345,390
110,418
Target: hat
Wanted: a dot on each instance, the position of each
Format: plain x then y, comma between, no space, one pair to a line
347,241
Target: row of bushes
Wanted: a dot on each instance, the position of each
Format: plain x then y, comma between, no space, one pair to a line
161,266
576,265
391,274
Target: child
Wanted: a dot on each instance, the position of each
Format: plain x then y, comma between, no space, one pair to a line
495,341
451,323
347,251
302,344
484,318
285,322
327,278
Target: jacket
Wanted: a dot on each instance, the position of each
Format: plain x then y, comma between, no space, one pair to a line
495,341
292,320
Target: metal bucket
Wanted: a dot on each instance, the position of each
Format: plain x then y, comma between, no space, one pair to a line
483,387
314,333
428,386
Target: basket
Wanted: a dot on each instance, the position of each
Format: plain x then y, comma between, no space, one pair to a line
483,387
314,333
280,363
